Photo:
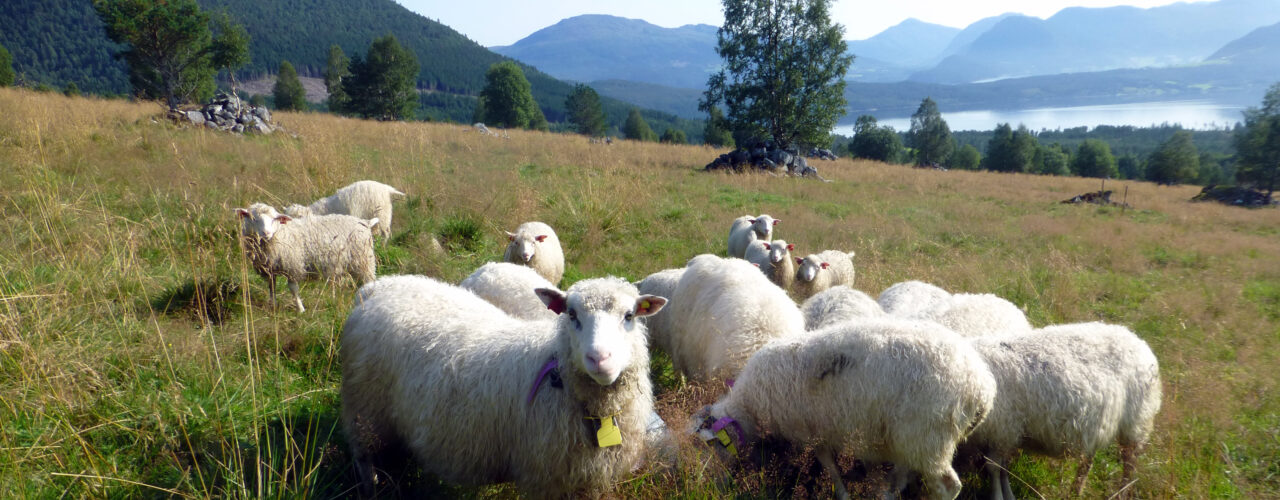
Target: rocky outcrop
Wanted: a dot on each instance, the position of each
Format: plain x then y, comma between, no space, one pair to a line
764,158
1235,195
228,113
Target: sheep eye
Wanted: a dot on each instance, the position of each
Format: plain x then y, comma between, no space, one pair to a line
629,316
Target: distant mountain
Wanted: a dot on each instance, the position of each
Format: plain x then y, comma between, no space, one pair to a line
1096,39
598,47
56,42
911,43
1261,47
965,37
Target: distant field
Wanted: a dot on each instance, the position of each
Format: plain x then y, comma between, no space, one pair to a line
138,357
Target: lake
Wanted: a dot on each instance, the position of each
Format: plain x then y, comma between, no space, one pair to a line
1198,115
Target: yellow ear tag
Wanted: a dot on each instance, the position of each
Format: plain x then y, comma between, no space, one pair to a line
727,442
609,433
644,304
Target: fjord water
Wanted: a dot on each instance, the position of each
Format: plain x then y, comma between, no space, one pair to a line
1198,115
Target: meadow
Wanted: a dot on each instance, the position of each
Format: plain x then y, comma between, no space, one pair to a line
139,356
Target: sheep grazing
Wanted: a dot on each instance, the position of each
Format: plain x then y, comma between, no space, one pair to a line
535,244
897,391
663,284
974,315
559,407
362,199
912,299
1068,391
721,312
324,246
511,288
748,228
815,273
774,260
838,304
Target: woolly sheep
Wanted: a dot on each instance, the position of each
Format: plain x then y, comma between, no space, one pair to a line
973,315
1068,390
912,299
473,393
362,199
815,273
748,228
511,288
663,284
324,246
774,260
535,244
721,312
897,391
838,304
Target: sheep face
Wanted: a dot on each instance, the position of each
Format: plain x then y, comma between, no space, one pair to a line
779,250
599,324
525,244
261,221
809,267
763,226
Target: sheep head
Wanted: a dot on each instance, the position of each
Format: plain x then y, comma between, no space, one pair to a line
598,319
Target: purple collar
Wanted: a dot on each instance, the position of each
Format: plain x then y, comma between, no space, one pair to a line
553,364
735,436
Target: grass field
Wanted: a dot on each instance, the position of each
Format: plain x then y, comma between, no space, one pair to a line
138,356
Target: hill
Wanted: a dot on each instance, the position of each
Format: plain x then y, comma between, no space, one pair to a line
911,43
134,329
1258,48
56,42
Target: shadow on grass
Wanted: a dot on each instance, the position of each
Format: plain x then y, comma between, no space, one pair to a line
207,302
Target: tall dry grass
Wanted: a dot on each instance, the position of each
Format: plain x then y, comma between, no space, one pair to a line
138,357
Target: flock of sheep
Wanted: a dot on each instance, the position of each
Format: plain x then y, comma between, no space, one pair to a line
506,377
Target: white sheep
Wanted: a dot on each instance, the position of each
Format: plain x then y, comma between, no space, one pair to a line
774,260
912,299
559,407
362,199
663,284
323,246
721,312
974,315
1068,391
890,390
535,244
511,288
749,228
838,304
815,273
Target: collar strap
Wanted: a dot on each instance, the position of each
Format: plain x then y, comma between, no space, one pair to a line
551,365
730,440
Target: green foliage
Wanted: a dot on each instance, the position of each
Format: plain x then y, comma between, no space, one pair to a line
71,90
584,111
169,46
1093,159
288,91
61,41
673,136
874,142
716,133
258,100
1258,145
230,46
1129,166
336,68
381,85
1175,162
1052,160
965,157
783,78
508,100
637,129
929,134
6,67
1011,151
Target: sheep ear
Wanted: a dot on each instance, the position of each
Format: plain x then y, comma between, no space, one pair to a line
283,219
244,214
555,300
767,247
541,238
648,305
799,261
790,247
776,221
824,265
753,221
511,236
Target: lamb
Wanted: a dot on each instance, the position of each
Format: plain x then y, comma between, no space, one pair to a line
774,260
535,244
889,390
480,397
663,284
363,199
1068,390
974,315
819,272
511,288
912,299
721,312
325,246
838,304
746,229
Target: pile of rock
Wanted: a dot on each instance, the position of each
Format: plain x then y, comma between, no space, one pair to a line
1234,195
228,113
762,157
822,154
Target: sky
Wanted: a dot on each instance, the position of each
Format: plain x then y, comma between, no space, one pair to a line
503,22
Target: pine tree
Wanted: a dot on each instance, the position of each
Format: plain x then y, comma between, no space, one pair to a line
1010,150
636,128
673,136
383,84
929,135
874,142
336,68
1176,160
1093,159
7,75
584,111
288,91
716,132
508,98
1258,145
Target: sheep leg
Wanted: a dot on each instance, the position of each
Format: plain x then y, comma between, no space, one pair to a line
827,458
293,287
1082,475
996,470
899,476
1129,459
1004,484
271,288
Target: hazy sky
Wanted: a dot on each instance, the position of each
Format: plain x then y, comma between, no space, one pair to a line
503,22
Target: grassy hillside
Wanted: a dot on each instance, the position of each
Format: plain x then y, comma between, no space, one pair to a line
138,357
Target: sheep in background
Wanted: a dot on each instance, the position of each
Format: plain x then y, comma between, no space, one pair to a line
774,260
362,199
746,229
904,392
511,288
912,299
721,312
322,246
535,244
815,273
480,397
838,304
1068,391
663,284
974,315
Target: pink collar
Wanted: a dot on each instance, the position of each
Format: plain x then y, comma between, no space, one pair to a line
551,365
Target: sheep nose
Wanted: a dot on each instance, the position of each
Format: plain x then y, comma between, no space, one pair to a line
527,257
598,358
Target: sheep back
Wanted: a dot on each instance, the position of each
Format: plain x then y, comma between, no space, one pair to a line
973,315
511,288
838,304
912,299
322,246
